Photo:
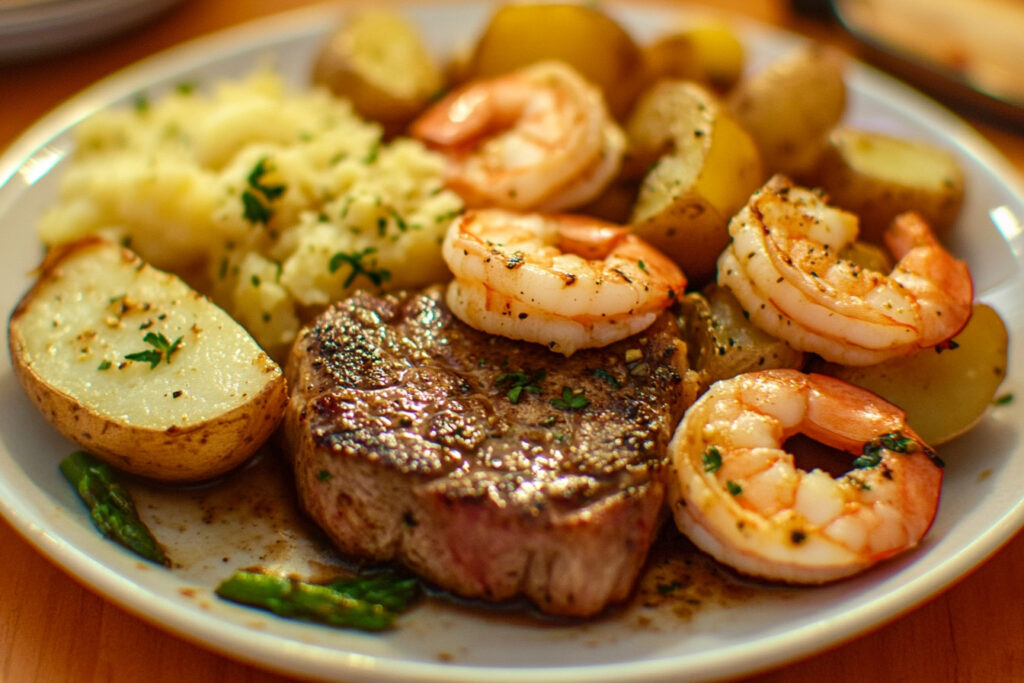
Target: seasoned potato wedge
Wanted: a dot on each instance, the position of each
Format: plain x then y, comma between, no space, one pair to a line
378,61
705,167
708,53
723,343
944,393
790,107
140,370
580,35
879,176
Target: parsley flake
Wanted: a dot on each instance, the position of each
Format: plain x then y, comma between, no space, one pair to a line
570,400
257,197
601,373
518,382
162,349
871,456
734,488
253,208
712,459
354,260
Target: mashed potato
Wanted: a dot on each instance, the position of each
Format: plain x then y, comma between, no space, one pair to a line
273,202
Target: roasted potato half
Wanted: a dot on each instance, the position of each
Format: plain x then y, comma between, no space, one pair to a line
580,35
722,342
944,393
703,168
139,369
791,106
378,60
879,176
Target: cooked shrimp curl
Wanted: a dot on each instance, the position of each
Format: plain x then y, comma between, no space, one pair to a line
738,495
567,282
783,265
539,138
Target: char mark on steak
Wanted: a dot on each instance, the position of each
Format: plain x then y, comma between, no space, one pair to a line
492,468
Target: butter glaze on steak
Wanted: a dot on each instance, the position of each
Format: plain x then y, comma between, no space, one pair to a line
407,447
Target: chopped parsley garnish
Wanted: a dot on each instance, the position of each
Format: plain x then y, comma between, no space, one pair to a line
323,475
256,199
518,382
871,456
104,365
255,179
570,400
372,155
712,459
601,373
377,276
734,488
185,87
254,210
1003,400
162,349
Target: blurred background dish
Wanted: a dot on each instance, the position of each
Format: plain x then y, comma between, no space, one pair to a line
967,53
36,28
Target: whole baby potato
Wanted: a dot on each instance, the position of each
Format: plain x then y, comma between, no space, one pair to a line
879,176
580,35
945,392
140,370
378,61
703,168
790,107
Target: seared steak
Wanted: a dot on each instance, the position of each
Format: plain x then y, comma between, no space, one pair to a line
492,468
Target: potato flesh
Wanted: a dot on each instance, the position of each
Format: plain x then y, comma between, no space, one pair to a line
80,326
707,170
724,343
944,393
879,176
708,53
585,38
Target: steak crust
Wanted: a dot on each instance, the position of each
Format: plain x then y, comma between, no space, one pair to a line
410,442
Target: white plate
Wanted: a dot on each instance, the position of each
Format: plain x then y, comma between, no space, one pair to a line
982,501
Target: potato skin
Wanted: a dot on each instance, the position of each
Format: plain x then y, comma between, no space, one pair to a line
944,393
790,107
171,453
705,167
879,176
175,454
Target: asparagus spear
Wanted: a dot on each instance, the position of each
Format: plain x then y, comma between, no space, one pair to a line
110,505
368,604
394,592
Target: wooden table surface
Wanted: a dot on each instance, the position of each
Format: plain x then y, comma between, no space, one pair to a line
53,629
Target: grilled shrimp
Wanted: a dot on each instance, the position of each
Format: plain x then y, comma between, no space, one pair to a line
538,139
740,497
568,282
783,265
